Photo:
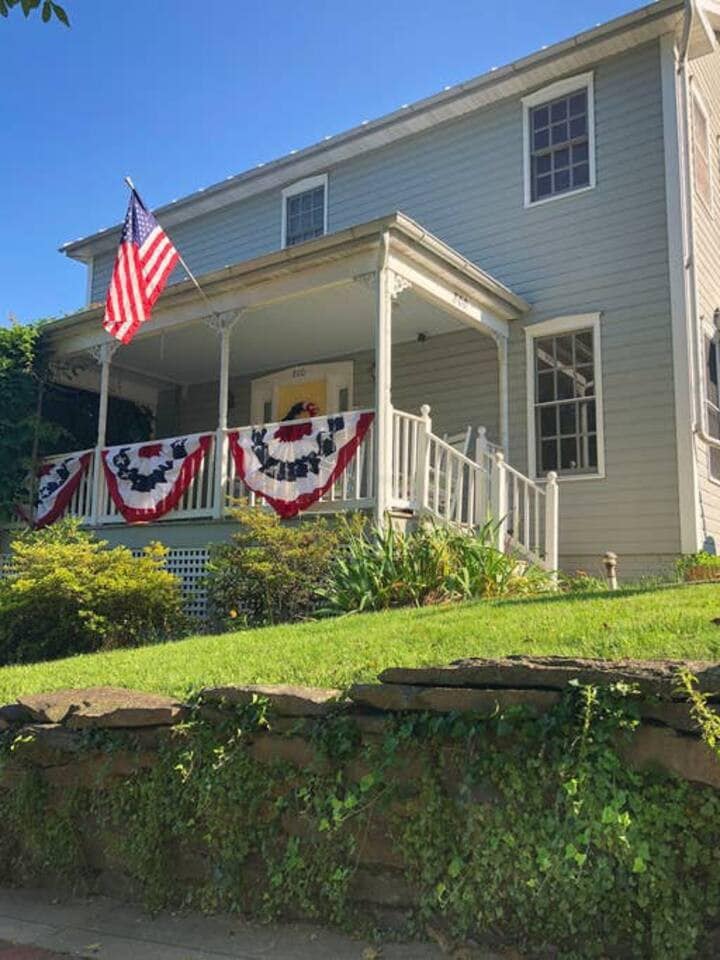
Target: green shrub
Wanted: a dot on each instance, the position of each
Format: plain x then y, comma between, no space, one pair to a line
698,566
70,593
270,571
384,568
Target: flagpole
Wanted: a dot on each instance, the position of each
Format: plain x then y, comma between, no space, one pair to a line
131,186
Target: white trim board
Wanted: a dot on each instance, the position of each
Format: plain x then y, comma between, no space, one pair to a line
552,328
681,322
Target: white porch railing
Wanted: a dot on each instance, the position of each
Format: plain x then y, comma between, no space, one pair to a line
429,476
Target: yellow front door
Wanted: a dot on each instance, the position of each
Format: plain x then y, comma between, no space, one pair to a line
301,399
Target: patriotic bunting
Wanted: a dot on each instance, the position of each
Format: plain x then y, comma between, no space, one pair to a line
57,483
292,464
147,480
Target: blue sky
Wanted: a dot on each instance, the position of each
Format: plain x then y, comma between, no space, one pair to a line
182,94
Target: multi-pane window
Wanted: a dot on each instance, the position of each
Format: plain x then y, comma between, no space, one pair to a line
566,434
701,151
559,145
304,215
712,403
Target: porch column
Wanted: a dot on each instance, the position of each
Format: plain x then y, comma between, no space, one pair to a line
383,387
223,325
103,355
503,397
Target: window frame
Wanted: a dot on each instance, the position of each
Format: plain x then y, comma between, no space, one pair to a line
708,332
558,326
696,101
303,186
561,88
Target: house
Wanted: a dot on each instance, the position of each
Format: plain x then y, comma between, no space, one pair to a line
533,254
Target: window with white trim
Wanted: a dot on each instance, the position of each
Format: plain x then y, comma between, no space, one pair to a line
304,212
712,402
559,139
702,174
565,413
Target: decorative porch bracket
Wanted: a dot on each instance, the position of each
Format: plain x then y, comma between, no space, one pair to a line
222,324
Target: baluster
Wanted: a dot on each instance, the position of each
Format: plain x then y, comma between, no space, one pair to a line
526,517
536,545
460,490
370,463
515,508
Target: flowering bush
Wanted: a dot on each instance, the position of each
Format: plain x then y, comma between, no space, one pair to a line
68,593
271,571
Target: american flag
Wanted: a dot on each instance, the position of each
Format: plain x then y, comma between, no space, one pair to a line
145,260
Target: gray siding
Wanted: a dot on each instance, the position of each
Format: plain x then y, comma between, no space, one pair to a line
603,250
706,77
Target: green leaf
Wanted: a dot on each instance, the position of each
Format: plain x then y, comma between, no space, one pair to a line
60,14
46,11
638,865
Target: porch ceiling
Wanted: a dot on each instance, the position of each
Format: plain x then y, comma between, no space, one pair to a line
322,324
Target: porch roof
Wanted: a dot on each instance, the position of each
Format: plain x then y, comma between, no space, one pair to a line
441,275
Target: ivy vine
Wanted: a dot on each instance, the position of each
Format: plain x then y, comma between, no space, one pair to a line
514,829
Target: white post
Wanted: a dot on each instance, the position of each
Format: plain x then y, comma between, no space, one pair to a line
482,477
552,521
223,325
383,394
423,460
503,396
500,499
103,355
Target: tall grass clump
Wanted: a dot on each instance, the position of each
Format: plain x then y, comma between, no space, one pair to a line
382,567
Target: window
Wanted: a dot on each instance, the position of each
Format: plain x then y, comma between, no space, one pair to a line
304,211
559,140
564,397
712,403
701,151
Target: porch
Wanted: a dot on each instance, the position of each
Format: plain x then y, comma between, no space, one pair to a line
362,320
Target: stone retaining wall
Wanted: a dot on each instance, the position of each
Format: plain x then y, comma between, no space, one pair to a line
53,735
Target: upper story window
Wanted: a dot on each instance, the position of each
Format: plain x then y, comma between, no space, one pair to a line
559,139
304,211
701,150
564,397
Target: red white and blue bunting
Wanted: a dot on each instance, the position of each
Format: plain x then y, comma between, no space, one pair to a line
292,464
147,480
56,485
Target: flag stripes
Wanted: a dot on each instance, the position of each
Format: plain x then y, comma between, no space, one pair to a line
146,257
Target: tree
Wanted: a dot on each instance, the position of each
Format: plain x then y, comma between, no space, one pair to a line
48,9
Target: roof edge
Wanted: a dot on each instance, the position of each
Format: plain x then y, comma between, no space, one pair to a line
396,222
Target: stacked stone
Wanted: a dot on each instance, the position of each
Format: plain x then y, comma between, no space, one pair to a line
54,728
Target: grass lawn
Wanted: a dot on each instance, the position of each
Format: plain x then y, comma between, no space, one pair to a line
674,622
